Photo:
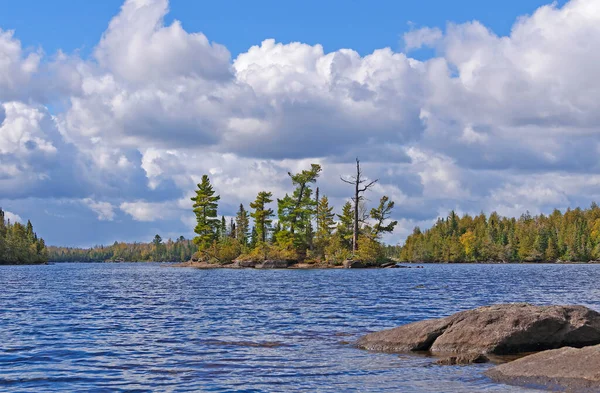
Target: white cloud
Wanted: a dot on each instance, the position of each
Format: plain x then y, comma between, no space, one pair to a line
104,210
12,217
491,122
148,211
425,36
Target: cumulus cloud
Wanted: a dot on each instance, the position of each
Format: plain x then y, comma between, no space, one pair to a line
12,217
489,122
426,36
104,210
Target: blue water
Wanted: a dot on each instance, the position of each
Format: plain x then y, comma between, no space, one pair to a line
142,327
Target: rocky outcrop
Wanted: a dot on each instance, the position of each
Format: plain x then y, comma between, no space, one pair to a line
564,369
244,264
273,264
350,264
500,329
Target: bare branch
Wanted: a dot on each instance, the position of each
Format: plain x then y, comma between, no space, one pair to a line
347,181
365,188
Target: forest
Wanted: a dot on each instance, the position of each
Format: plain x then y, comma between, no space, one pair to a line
158,250
19,244
303,228
573,236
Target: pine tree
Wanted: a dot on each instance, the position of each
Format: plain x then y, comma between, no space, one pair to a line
380,214
242,225
262,215
205,208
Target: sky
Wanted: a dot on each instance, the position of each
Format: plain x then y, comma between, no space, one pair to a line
110,112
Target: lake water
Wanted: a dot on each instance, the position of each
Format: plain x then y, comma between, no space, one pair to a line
142,327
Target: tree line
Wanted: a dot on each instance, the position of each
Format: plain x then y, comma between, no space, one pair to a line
178,250
571,236
300,226
19,244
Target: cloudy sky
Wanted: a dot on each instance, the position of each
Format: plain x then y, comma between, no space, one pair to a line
110,113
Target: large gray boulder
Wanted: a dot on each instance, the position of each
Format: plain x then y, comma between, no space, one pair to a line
500,329
565,369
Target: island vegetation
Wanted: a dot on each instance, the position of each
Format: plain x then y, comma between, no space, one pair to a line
19,244
178,250
303,228
573,236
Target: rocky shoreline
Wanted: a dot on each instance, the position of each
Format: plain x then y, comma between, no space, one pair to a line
280,264
543,339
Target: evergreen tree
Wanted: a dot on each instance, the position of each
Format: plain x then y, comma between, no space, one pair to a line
345,227
380,214
262,215
19,244
242,225
296,212
205,208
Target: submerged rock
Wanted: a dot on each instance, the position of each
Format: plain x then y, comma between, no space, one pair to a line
501,329
566,369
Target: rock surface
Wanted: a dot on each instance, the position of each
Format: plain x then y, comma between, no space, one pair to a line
468,358
565,369
500,329
244,264
350,264
273,264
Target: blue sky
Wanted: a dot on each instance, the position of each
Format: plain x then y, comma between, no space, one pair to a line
111,111
361,25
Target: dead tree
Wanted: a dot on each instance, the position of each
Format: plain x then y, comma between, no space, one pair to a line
357,181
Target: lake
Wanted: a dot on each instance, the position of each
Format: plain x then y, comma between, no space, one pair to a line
141,327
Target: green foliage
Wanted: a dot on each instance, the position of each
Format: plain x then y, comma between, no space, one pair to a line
262,215
180,250
337,250
380,214
19,244
572,236
242,226
264,251
205,208
296,212
345,225
325,227
369,251
220,252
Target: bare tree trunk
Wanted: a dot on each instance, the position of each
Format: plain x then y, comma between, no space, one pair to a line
356,200
358,190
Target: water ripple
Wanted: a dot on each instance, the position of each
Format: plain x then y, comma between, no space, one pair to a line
143,328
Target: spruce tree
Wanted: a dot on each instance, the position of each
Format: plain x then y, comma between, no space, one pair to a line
205,208
242,225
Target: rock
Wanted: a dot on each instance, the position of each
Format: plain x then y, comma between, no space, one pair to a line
501,330
468,358
244,264
275,264
350,264
567,369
